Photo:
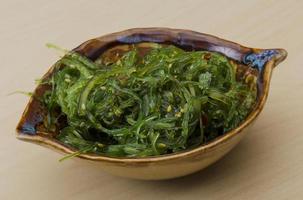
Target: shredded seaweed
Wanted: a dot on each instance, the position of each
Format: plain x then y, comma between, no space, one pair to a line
165,101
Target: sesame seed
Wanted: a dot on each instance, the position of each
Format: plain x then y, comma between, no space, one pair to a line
169,108
178,114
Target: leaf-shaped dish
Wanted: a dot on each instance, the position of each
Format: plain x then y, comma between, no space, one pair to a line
256,66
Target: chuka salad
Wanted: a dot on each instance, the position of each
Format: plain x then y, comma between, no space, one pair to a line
164,101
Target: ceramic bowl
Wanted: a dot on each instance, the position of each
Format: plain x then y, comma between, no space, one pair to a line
258,63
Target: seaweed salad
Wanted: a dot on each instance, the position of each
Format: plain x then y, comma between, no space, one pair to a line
137,105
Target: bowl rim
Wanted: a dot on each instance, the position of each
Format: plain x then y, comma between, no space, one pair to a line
55,145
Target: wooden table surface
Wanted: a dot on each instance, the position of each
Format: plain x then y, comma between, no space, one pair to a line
267,164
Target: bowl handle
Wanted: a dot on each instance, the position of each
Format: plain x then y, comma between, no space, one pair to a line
260,57
280,56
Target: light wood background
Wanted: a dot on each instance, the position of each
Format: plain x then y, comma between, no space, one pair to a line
267,164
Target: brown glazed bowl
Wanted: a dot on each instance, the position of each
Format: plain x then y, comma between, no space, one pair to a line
258,63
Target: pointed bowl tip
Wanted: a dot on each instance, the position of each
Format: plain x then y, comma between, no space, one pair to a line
281,56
